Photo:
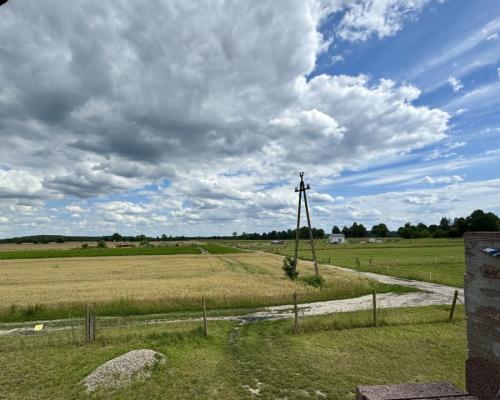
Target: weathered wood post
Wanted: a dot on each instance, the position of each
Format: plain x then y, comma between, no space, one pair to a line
296,327
205,324
90,324
374,301
453,304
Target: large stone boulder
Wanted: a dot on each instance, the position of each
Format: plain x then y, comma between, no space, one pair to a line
122,370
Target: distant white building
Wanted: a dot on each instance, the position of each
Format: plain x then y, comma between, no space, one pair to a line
337,238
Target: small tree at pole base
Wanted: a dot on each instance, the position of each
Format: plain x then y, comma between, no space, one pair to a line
290,268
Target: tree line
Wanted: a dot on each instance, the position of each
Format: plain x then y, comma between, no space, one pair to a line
476,221
281,235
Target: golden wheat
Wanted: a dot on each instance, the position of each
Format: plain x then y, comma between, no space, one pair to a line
144,278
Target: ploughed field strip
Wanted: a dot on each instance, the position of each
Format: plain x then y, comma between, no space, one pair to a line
34,289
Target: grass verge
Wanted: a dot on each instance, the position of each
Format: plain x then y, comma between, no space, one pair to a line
332,356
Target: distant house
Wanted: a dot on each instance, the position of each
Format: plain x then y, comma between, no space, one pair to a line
337,238
277,242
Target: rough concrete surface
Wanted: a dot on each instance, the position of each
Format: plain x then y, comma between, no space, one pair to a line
423,391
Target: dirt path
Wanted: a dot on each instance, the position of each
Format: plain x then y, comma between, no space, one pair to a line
431,294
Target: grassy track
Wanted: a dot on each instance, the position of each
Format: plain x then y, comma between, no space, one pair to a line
59,288
413,345
433,260
218,249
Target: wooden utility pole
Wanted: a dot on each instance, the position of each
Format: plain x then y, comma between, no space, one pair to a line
302,190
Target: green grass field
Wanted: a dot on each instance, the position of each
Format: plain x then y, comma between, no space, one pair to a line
333,355
113,252
432,260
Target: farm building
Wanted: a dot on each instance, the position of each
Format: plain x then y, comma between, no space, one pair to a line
337,238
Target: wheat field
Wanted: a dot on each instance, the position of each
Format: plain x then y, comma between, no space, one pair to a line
162,283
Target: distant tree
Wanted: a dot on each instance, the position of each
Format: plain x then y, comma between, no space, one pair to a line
445,224
356,230
345,230
433,228
164,237
101,244
335,229
409,231
458,228
439,233
380,230
116,237
481,221
235,234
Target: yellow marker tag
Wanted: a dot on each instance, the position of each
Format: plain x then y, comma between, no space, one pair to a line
38,328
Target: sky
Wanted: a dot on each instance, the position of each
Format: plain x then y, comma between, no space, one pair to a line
194,118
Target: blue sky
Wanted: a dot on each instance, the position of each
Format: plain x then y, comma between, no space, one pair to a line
197,120
458,39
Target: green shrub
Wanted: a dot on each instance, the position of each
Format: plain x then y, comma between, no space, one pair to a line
312,280
290,268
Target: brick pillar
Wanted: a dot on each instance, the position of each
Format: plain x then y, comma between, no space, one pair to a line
482,307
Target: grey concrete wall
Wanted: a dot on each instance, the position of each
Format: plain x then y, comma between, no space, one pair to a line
482,306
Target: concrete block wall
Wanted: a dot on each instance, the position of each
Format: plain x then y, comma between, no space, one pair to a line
482,306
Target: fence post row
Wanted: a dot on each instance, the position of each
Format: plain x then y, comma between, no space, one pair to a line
374,300
453,304
205,323
296,327
90,324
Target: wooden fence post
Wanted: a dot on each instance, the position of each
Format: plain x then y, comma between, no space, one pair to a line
296,328
90,324
205,324
453,304
374,300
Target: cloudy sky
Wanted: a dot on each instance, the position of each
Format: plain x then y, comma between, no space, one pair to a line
176,117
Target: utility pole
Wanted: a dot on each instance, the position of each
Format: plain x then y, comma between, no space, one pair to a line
302,190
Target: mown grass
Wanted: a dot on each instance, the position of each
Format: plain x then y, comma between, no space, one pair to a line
332,356
99,252
433,260
54,289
